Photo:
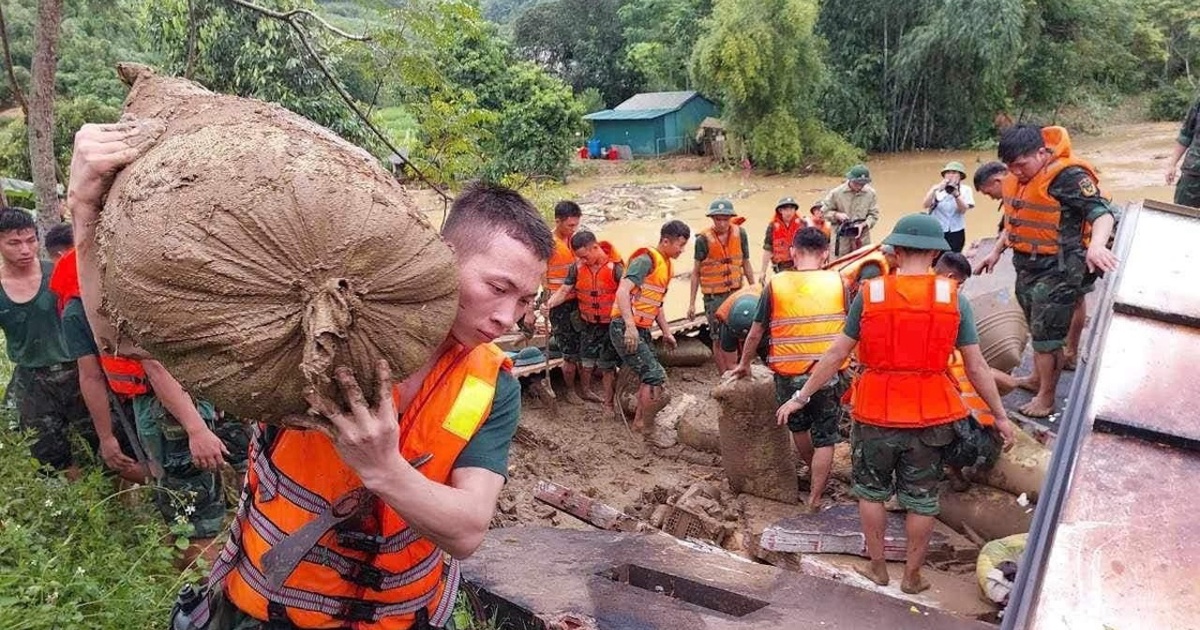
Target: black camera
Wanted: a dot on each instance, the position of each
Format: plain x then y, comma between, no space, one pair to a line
950,189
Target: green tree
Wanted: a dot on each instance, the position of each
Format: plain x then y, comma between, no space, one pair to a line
659,37
762,60
581,42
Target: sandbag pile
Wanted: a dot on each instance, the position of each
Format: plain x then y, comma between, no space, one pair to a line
755,452
253,252
1001,502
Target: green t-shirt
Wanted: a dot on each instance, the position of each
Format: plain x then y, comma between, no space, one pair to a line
33,330
77,332
1081,202
639,268
967,333
488,448
702,244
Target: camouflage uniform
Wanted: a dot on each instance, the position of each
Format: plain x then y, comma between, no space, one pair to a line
1187,189
904,462
1049,285
643,361
823,413
596,348
49,404
185,490
566,327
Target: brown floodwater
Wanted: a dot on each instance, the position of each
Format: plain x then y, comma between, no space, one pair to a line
1130,160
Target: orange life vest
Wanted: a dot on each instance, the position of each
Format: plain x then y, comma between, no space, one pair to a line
782,235
722,312
908,330
852,265
647,300
558,266
808,312
820,224
721,271
375,573
596,289
1031,213
971,398
126,377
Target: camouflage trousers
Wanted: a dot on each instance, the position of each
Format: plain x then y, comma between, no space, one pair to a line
904,462
643,360
1187,190
822,415
48,403
1048,298
186,493
567,329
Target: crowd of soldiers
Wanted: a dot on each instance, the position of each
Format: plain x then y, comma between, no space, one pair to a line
364,526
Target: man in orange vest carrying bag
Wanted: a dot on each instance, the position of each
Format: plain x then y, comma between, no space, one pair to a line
722,261
1058,225
640,298
802,311
400,487
592,281
905,327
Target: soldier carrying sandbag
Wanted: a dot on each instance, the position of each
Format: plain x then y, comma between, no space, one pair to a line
903,404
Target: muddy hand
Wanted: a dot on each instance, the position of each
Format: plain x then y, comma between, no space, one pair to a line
631,340
736,373
1008,433
786,410
207,450
986,265
1171,175
368,440
100,152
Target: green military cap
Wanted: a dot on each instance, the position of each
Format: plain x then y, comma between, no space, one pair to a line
721,208
957,167
918,231
741,314
787,201
859,173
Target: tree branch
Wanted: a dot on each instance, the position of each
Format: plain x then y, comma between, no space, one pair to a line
289,17
192,36
8,66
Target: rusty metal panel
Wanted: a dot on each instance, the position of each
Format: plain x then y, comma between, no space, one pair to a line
1145,385
1127,549
1159,273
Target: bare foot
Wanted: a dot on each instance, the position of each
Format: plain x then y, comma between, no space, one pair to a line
609,407
1037,408
1070,361
812,507
571,398
1029,383
914,586
876,572
590,396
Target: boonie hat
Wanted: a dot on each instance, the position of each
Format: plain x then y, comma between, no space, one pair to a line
787,201
957,167
859,173
721,208
918,231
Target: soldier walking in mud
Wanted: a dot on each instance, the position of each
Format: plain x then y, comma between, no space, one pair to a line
903,405
1187,147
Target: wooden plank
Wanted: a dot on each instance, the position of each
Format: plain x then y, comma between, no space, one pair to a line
587,509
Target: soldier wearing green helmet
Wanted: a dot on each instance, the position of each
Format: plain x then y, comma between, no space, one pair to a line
903,405
853,209
948,202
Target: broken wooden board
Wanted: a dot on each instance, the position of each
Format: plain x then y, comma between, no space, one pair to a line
656,582
838,530
586,508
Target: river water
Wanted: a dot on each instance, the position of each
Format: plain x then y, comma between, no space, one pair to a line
1130,160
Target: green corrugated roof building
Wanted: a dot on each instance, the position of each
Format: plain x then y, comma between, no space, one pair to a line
653,123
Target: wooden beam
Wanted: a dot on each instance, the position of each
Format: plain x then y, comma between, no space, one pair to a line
587,509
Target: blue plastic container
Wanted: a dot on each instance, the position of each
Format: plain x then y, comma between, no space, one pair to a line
593,148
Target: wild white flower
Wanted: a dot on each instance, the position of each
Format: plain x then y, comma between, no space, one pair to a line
189,510
48,503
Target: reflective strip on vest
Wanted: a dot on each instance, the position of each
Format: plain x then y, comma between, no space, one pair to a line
597,292
647,299
908,331
971,398
808,313
722,274
297,477
559,265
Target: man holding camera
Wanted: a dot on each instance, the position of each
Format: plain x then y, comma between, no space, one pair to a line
948,202
853,208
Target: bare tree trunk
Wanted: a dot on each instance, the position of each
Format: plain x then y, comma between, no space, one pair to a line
40,121
8,66
190,70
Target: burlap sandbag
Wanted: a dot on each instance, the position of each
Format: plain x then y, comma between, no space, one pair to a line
688,352
1003,332
1020,470
253,251
989,512
755,452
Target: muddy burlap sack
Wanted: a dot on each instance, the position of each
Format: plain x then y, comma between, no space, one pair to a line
755,452
253,251
688,352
